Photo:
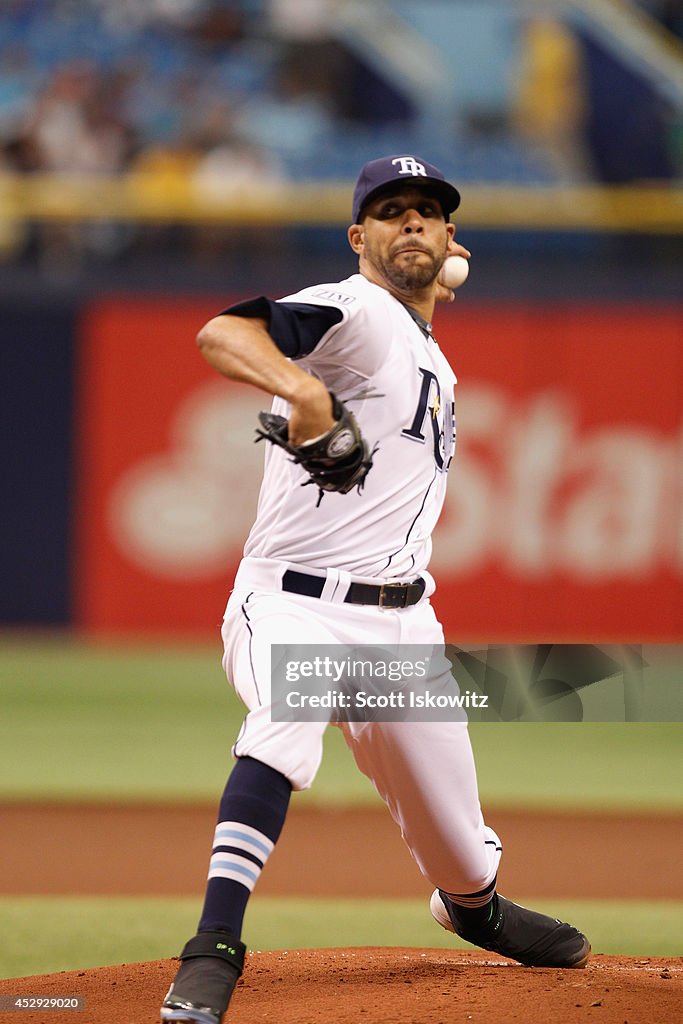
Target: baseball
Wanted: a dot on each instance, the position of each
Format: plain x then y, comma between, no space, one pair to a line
454,271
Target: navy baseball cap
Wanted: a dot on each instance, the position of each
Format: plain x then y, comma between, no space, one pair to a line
378,176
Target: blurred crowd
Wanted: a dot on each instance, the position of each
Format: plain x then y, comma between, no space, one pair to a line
99,91
243,90
174,87
236,88
211,88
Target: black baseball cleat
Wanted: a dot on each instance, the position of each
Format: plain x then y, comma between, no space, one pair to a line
533,939
211,964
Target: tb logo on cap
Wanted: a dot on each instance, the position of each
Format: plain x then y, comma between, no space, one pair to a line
409,165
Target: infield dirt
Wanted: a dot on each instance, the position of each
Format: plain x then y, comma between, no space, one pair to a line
123,850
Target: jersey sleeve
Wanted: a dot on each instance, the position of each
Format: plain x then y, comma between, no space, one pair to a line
351,353
295,327
337,331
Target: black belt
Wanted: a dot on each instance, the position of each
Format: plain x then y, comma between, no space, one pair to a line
386,595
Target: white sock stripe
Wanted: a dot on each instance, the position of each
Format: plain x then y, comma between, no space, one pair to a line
239,868
233,876
471,902
235,833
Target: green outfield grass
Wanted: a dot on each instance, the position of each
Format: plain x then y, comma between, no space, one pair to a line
140,722
42,936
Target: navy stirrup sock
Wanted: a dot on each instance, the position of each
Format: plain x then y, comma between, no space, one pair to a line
475,910
251,814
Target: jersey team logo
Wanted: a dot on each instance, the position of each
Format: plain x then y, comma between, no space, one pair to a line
433,418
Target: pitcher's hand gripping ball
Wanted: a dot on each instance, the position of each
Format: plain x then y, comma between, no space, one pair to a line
338,461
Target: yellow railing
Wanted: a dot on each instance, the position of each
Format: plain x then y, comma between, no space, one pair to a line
177,199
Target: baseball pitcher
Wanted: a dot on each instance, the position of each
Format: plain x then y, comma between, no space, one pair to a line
359,442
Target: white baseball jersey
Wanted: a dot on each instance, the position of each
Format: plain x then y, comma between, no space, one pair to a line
424,772
379,352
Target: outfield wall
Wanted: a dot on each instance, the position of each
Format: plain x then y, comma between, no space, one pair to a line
132,478
36,459
564,513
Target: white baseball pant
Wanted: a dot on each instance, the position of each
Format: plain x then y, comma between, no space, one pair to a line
424,771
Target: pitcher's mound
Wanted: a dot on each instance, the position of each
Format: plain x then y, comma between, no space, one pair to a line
386,985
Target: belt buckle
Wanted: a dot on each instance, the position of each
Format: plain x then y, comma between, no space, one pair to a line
388,600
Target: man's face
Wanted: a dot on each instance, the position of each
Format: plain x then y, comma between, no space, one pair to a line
403,239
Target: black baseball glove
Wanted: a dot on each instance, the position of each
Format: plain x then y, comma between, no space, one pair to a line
338,461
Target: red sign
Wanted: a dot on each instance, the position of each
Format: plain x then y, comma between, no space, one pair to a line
564,519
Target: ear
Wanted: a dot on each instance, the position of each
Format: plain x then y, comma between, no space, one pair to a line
452,247
356,237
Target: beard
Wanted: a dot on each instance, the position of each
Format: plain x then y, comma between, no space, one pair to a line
409,274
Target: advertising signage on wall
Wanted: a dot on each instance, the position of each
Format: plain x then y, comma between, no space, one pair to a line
564,519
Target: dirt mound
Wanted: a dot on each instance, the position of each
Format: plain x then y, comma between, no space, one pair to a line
382,986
